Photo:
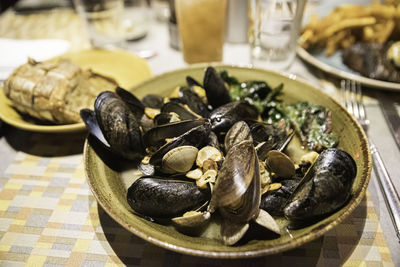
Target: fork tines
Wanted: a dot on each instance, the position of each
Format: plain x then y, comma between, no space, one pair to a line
353,100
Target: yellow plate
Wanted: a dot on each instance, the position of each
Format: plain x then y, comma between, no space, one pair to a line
109,182
126,68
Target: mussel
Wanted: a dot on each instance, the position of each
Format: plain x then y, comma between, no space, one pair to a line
325,188
195,137
158,134
115,124
224,117
159,197
216,91
236,193
193,101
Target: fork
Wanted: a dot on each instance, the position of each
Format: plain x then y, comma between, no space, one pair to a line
353,101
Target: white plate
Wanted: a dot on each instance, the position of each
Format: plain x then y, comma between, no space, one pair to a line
334,65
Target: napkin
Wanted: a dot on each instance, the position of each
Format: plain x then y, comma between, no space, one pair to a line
14,53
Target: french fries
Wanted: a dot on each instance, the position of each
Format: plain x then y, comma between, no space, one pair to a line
352,23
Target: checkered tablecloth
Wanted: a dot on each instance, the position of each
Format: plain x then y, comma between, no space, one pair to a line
48,217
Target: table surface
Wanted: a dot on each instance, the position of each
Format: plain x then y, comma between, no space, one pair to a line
48,214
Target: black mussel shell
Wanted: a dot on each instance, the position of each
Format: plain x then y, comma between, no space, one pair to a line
216,91
197,137
158,197
153,101
325,188
157,135
119,126
192,82
223,118
274,201
213,140
193,101
269,137
178,108
239,132
162,118
133,103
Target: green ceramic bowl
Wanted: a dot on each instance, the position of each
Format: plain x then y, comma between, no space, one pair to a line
109,185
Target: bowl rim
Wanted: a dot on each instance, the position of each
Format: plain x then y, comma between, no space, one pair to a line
352,204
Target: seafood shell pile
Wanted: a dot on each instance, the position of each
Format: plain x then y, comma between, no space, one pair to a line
54,90
204,157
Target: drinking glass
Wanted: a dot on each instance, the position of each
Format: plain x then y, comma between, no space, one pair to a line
274,30
109,23
201,25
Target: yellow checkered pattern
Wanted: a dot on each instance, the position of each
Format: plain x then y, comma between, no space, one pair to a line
48,216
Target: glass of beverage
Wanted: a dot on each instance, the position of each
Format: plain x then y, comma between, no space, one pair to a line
274,30
201,25
109,23
103,21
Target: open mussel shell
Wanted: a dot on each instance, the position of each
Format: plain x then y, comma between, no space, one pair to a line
132,102
325,188
115,125
231,233
194,102
183,112
216,91
224,117
268,137
192,81
196,137
158,197
235,176
158,134
237,194
239,132
194,219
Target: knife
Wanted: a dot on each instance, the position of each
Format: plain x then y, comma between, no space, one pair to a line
392,117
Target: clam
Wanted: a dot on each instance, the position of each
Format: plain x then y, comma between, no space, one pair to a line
195,137
192,219
279,164
179,159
